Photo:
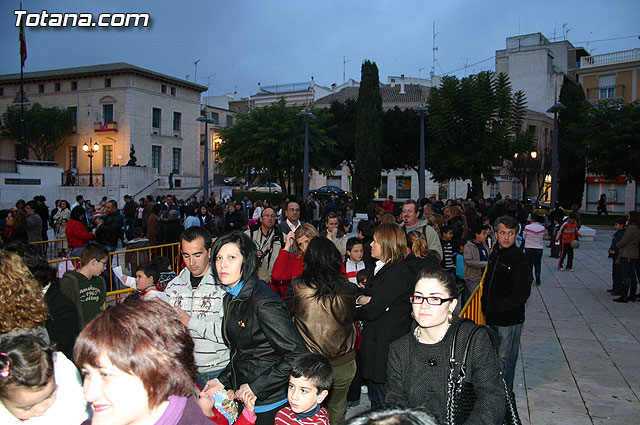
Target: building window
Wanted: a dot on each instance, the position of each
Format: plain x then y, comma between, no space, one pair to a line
403,187
607,85
532,129
382,190
516,190
1,91
40,88
229,120
215,116
73,157
156,118
107,113
74,85
494,189
177,183
175,160
56,87
74,114
107,153
163,89
173,91
107,82
156,151
177,117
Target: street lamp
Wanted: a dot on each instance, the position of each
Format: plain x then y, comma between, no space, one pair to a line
554,154
205,186
90,151
422,111
305,169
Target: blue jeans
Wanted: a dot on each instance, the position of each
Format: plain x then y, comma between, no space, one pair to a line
208,376
508,347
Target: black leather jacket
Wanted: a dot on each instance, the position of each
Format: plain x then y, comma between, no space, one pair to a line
263,340
111,229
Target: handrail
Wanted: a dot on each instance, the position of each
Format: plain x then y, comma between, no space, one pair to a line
48,241
145,188
199,189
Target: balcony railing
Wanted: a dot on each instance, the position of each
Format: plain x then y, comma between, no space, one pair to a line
610,58
75,179
614,92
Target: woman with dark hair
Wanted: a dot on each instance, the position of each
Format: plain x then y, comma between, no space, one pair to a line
203,215
628,253
16,227
77,234
418,367
138,369
385,308
256,326
322,303
153,224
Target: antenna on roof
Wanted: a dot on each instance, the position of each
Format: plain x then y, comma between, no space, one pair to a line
565,30
195,75
435,49
420,71
344,68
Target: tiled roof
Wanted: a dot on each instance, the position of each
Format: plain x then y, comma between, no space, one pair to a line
92,70
390,95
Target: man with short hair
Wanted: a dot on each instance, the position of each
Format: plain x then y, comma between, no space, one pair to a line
110,226
85,286
129,209
268,239
197,299
506,290
411,222
43,211
34,222
293,218
79,201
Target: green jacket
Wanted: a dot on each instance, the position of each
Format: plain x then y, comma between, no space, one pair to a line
87,294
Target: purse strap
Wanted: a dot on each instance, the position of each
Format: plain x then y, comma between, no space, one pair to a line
452,355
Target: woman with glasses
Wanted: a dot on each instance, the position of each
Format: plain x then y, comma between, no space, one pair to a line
384,306
418,366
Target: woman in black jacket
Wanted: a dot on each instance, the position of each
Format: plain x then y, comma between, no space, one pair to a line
384,306
419,361
263,340
418,254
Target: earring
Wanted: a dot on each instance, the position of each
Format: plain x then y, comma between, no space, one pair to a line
450,317
413,316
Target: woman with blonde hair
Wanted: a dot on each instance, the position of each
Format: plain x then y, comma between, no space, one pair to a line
385,308
418,254
290,261
22,302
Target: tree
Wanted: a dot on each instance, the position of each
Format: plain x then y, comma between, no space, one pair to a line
571,147
613,140
401,139
521,165
132,157
45,129
343,132
366,177
473,123
267,144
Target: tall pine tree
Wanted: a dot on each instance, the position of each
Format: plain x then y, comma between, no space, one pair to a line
368,164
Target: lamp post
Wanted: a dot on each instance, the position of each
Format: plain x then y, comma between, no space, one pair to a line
205,185
305,169
422,111
554,155
90,151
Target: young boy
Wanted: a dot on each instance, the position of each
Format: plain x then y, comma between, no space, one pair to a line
616,272
354,262
310,379
166,272
448,264
568,233
476,256
147,276
85,286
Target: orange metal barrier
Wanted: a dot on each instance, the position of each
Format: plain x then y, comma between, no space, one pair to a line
53,249
130,259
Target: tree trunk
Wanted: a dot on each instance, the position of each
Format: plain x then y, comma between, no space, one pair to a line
476,183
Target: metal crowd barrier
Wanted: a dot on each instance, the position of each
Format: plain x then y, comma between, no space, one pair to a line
53,249
473,307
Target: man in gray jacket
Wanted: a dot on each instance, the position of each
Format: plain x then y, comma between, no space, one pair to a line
197,299
34,222
411,222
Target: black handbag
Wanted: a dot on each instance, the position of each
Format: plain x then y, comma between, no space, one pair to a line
461,396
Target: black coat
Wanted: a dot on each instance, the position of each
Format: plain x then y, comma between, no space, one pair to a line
386,317
111,229
417,264
263,341
62,326
170,231
507,286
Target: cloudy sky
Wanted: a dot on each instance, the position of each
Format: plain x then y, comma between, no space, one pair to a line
240,42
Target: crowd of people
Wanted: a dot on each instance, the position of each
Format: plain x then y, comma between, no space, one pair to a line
277,316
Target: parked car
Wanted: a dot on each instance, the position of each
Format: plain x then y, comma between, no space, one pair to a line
267,188
328,191
232,181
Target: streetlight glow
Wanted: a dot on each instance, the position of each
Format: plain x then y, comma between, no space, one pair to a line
534,154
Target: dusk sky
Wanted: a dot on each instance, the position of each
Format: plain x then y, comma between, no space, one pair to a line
240,43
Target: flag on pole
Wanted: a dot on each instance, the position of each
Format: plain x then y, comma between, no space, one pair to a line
23,42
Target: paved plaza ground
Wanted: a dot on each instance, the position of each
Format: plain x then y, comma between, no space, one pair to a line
580,352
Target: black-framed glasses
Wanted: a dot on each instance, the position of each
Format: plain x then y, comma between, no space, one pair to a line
419,299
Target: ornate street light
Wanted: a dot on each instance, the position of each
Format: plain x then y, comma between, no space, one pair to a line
90,151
